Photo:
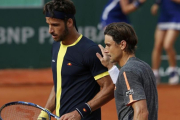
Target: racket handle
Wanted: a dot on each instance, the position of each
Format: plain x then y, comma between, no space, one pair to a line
43,116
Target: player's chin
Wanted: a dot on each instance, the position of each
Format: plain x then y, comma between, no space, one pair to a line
111,60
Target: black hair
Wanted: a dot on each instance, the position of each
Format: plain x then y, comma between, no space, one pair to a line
123,31
65,6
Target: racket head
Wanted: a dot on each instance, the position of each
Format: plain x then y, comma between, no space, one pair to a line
20,110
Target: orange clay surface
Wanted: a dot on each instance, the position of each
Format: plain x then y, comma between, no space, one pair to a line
35,85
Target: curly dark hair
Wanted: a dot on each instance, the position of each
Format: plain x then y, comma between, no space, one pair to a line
123,31
65,6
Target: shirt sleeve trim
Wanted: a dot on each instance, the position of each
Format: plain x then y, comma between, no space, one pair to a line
101,75
128,87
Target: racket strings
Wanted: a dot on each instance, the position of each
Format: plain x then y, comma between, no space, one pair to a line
20,112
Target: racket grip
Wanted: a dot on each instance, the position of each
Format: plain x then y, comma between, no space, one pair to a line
43,115
42,118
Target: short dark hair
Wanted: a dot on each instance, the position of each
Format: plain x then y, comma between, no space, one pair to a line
65,6
123,31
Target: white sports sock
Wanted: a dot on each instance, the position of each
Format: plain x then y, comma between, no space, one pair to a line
171,69
156,72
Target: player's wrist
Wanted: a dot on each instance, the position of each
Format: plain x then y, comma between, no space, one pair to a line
78,114
84,110
109,66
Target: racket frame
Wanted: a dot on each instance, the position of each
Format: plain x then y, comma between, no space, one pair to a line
28,104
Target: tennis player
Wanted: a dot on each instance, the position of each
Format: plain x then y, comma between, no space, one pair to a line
81,83
135,88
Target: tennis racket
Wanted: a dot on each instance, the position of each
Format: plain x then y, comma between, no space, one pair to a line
20,110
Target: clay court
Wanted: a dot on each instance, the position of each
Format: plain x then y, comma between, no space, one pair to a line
35,85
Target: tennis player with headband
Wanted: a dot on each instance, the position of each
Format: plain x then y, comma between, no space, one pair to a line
81,83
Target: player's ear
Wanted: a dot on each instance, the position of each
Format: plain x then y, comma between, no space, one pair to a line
70,22
123,44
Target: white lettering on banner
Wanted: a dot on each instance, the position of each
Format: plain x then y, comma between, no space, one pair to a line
51,40
165,57
17,35
20,35
2,35
100,37
92,32
27,32
43,34
13,34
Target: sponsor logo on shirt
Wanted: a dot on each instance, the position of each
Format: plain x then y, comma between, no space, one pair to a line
69,64
129,92
84,109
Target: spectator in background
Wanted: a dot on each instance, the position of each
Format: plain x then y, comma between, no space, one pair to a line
166,33
117,10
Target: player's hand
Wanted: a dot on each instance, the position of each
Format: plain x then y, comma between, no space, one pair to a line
74,115
43,116
105,60
154,9
176,1
142,1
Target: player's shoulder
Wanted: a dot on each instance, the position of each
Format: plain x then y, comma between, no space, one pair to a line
135,62
135,65
87,44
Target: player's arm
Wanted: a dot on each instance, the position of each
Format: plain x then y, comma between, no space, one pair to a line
176,1
105,94
155,7
134,94
50,106
140,110
130,7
